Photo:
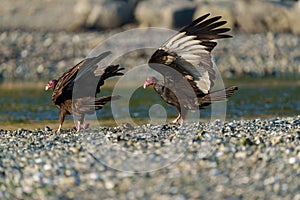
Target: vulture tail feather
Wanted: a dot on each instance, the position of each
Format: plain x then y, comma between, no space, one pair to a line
217,96
101,101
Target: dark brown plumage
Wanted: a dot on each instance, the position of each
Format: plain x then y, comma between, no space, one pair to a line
75,91
185,62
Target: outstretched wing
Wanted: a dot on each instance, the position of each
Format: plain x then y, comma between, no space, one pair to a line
107,72
84,70
189,53
88,85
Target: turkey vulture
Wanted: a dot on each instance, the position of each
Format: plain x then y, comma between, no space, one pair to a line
186,64
75,91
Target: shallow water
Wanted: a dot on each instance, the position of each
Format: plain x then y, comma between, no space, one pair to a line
255,98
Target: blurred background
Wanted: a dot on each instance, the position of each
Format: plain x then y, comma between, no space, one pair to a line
40,39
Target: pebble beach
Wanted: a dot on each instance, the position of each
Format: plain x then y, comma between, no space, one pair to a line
243,159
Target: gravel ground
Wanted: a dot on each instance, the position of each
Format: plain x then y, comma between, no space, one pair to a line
246,159
33,56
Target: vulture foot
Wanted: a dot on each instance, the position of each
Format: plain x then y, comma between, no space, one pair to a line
84,127
59,128
176,121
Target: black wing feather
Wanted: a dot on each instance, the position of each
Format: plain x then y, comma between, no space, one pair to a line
184,54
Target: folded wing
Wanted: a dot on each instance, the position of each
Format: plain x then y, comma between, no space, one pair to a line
86,76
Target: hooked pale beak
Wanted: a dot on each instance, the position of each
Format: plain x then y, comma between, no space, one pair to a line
47,88
146,84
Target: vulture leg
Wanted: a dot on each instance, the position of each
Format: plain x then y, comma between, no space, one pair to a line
175,121
80,120
62,116
181,115
78,126
59,128
85,126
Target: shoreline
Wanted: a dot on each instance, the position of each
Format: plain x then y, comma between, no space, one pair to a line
35,125
241,81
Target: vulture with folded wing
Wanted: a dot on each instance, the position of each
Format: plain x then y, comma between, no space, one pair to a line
186,64
75,92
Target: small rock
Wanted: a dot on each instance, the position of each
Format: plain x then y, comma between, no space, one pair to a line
240,155
293,160
75,149
95,176
109,184
47,167
47,128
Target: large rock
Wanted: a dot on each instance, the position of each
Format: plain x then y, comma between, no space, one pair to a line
65,15
294,16
46,15
166,13
110,14
56,15
260,16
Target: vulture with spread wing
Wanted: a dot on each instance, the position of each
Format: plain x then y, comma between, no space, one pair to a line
75,91
186,63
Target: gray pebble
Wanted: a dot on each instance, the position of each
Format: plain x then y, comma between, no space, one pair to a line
108,162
